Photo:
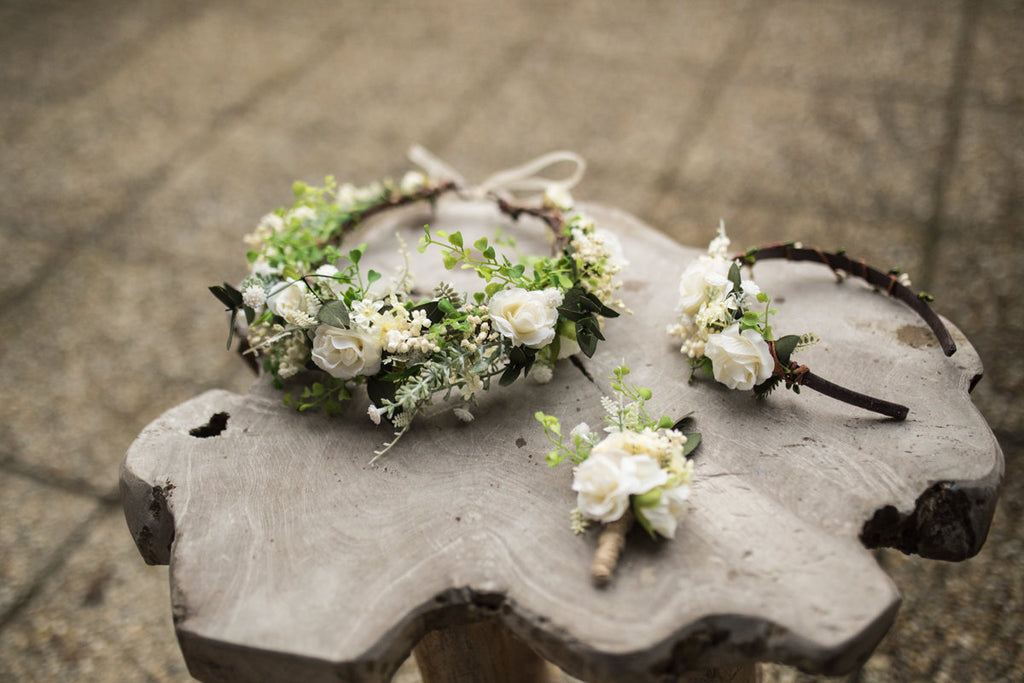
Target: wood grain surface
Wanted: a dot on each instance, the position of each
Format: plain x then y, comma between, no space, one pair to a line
293,558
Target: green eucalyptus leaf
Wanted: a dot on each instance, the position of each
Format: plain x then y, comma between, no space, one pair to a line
692,441
734,276
379,389
785,346
228,295
446,307
231,327
586,339
334,313
510,375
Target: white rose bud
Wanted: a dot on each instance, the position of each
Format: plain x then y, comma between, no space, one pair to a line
695,281
740,360
664,516
288,298
328,281
527,318
345,354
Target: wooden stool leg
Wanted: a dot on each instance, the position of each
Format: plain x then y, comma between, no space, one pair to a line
483,652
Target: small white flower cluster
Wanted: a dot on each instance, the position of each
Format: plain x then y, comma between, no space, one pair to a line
599,258
270,225
598,252
254,296
709,305
646,469
290,351
707,300
350,196
403,331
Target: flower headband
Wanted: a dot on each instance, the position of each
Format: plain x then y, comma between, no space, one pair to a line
309,306
724,336
638,472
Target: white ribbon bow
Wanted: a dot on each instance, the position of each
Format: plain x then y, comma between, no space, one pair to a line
523,178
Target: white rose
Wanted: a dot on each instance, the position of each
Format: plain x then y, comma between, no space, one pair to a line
287,297
602,489
740,360
640,451
328,280
616,468
699,276
527,318
345,353
664,516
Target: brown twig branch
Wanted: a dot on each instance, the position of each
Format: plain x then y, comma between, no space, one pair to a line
426,193
801,376
889,282
820,384
551,216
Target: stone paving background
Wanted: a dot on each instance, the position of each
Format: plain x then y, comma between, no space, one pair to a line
141,140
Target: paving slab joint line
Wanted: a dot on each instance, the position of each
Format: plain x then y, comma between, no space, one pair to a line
57,560
722,73
954,114
94,75
14,465
142,188
511,60
718,78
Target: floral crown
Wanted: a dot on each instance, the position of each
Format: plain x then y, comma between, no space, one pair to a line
723,335
312,313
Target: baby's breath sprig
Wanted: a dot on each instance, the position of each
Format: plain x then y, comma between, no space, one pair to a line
314,314
638,471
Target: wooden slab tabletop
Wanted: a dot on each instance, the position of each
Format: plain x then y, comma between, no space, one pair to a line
293,558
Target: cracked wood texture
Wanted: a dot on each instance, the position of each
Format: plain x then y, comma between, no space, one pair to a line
292,558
